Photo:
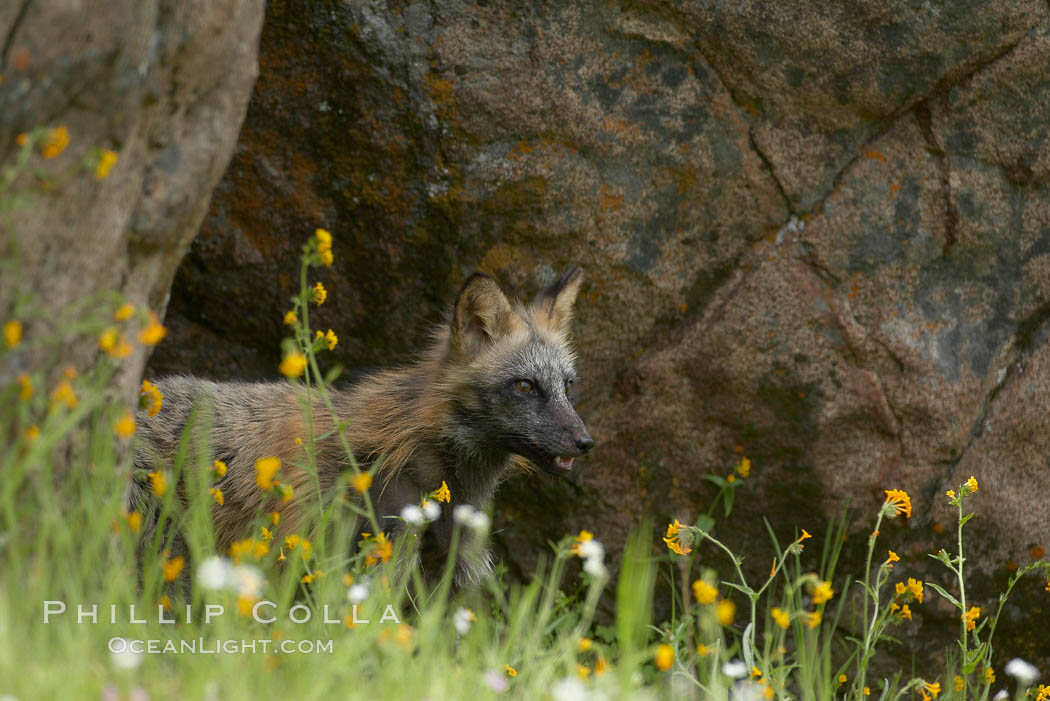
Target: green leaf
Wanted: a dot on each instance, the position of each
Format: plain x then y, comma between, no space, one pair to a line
727,503
705,523
964,519
746,590
945,594
715,479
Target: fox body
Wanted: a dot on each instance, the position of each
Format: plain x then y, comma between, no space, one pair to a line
495,385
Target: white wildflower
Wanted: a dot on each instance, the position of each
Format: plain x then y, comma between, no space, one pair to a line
357,593
569,689
463,619
214,573
1001,695
594,567
431,510
412,515
1024,672
247,581
734,669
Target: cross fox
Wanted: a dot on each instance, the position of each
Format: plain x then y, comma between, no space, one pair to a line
496,385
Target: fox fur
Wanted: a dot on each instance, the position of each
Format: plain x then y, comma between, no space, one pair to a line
494,388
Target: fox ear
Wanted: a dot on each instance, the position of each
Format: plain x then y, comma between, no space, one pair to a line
481,316
553,306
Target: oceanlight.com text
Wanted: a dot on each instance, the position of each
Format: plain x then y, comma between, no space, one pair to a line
200,646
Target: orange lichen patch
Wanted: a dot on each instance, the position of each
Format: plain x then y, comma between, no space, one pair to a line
1011,566
853,287
895,187
503,256
938,528
443,93
21,60
607,201
873,155
683,308
932,326
1037,552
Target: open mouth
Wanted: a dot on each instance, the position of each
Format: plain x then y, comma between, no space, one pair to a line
563,463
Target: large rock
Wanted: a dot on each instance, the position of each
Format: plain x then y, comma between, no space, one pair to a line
814,234
165,83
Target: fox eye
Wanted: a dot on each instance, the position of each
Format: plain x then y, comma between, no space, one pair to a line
568,385
523,386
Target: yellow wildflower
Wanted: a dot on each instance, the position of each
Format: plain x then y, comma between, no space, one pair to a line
157,483
267,535
664,657
219,467
320,294
245,604
106,160
725,610
442,494
971,617
744,468
152,398
814,619
1044,693
842,679
510,671
25,387
703,650
913,589
309,578
704,592
124,312
362,481
583,671
286,492
381,549
900,499
293,365
32,433
584,644
989,676
934,689
55,142
781,618
906,612
893,557
951,495
64,394
673,538
217,495
172,568
290,318
134,521
959,683
113,343
330,339
822,592
275,517
13,333
971,484
867,691
805,534
125,425
265,469
324,246
583,537
154,333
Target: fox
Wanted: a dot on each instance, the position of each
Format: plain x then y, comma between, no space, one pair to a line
494,389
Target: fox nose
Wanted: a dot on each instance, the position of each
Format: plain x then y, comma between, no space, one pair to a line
584,442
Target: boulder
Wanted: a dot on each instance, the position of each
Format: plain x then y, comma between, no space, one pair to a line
815,235
164,84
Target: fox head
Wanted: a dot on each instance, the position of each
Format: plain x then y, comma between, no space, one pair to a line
516,372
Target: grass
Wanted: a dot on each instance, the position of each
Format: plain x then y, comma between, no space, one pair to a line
72,595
